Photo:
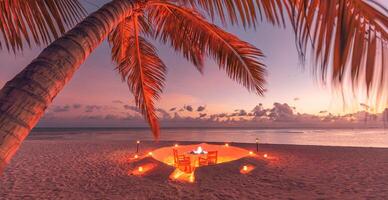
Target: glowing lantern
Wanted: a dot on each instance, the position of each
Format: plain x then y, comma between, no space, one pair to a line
245,168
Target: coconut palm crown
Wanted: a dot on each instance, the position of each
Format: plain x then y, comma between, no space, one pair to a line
348,41
187,32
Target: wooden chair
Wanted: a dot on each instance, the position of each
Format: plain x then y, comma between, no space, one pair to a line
182,162
211,159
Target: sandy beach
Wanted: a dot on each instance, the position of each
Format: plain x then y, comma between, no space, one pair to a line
57,168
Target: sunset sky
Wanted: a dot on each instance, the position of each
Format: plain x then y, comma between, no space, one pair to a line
97,84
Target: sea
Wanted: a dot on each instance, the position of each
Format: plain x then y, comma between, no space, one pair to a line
376,137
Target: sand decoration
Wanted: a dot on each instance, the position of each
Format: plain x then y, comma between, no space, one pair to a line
226,153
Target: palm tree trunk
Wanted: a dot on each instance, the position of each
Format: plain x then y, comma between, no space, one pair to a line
24,99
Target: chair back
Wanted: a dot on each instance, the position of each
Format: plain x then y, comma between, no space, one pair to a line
175,152
212,157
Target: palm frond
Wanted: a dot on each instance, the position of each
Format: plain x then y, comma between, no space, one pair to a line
139,65
349,39
246,12
38,21
239,59
172,30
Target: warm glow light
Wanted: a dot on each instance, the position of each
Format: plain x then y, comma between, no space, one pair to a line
226,144
250,153
179,175
138,142
265,155
144,169
246,169
176,145
191,180
136,156
150,153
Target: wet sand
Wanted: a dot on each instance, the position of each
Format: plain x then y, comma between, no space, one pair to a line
57,168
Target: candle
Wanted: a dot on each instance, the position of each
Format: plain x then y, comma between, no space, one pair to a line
137,146
245,168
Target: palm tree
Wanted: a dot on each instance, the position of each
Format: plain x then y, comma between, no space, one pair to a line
348,30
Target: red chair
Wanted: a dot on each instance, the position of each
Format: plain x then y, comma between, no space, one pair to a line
182,162
211,159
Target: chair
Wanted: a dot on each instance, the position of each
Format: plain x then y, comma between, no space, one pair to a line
211,159
182,162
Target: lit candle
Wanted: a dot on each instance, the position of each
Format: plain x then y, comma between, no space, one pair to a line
137,146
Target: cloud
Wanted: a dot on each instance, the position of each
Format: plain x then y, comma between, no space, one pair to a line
132,108
117,102
281,112
202,115
165,114
58,109
77,106
279,115
201,108
189,108
92,108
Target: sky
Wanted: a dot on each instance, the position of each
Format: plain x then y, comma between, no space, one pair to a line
97,89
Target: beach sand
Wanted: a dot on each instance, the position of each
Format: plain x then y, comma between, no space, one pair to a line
79,169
